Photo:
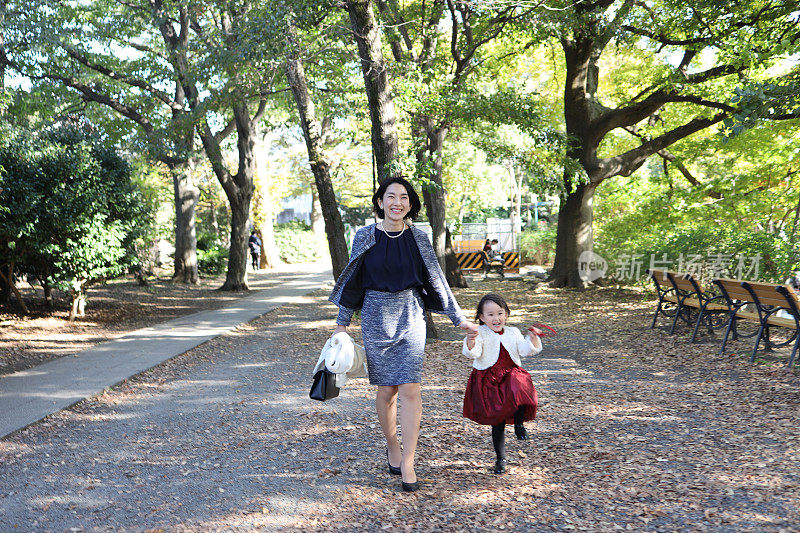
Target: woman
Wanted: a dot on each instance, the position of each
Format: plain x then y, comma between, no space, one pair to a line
393,277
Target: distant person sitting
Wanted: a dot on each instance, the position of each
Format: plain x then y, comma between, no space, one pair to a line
255,248
487,246
494,249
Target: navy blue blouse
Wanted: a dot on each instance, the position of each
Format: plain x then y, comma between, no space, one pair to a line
392,265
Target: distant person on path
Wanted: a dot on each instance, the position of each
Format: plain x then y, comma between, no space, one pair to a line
499,391
255,248
393,277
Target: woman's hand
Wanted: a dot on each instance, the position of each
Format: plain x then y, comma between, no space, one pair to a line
339,329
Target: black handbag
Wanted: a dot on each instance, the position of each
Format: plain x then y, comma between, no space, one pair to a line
324,386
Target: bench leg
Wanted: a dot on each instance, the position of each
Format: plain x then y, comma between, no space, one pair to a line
655,316
794,350
697,324
758,340
731,322
675,320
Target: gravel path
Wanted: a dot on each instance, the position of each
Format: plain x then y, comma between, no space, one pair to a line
635,433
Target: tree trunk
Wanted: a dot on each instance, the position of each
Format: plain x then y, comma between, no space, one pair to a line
8,279
5,288
78,307
3,58
269,250
185,196
435,206
367,35
318,222
48,293
236,275
574,236
455,277
334,228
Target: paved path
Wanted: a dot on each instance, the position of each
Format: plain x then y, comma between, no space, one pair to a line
30,395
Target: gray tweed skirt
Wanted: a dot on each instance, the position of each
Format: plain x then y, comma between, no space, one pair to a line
393,331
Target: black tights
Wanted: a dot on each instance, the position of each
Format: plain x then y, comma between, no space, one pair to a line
499,433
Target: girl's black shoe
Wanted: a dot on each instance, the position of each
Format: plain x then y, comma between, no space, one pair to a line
411,487
395,470
500,466
520,432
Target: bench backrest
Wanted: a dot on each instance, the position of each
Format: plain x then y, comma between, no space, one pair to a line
684,282
733,288
661,276
768,294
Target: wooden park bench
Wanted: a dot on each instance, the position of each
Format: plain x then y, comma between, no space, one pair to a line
689,300
766,300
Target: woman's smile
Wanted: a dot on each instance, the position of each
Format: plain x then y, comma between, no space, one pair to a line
395,205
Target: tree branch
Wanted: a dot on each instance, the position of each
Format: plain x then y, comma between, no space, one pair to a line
624,164
127,80
92,95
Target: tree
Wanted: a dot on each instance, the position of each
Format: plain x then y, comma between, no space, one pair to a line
706,48
122,55
383,119
72,214
320,167
440,47
59,43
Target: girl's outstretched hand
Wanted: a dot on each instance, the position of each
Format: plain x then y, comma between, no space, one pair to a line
469,327
542,330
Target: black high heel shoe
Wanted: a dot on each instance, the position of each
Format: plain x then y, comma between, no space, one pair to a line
411,487
394,470
500,466
520,432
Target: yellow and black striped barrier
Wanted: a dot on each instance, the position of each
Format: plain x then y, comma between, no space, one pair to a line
473,260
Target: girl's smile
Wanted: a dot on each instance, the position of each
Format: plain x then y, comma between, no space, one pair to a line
493,316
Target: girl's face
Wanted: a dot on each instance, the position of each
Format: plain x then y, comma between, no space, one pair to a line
493,316
395,203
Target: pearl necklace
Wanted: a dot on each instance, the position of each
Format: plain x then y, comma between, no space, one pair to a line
392,236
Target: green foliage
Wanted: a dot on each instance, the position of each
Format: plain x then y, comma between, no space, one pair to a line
72,211
295,242
538,246
722,251
212,261
212,254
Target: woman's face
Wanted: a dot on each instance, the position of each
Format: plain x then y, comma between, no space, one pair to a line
493,316
395,203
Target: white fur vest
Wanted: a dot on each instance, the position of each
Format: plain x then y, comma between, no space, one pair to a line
487,346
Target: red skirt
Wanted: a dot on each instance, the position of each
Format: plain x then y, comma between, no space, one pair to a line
494,395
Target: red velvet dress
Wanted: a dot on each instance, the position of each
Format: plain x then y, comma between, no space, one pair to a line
494,395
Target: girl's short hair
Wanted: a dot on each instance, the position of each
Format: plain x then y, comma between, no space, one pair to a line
413,197
491,297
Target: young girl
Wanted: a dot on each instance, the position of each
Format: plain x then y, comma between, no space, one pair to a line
498,390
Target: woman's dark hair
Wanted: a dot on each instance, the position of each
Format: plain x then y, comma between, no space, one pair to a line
413,197
491,297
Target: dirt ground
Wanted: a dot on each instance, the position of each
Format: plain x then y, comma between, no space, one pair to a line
113,309
637,431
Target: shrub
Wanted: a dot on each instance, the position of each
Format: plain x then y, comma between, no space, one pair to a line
296,242
538,246
212,260
72,213
709,251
